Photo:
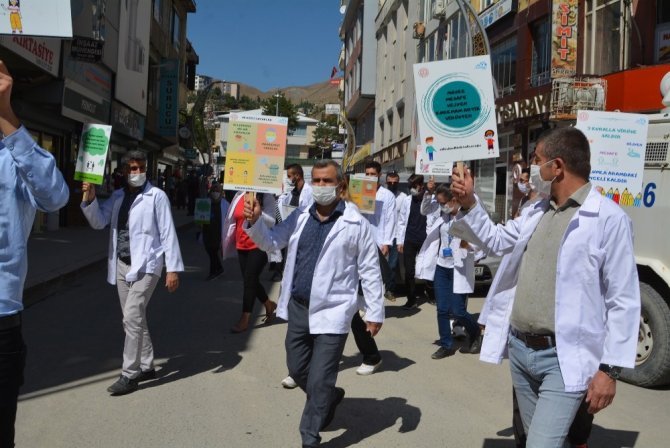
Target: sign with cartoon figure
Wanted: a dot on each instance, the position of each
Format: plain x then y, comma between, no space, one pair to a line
92,155
50,18
618,145
203,211
363,192
456,113
256,152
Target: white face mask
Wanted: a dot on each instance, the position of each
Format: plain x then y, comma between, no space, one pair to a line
446,209
288,185
524,187
414,192
325,195
137,180
543,187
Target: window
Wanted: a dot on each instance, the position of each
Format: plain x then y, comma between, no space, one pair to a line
486,4
176,29
456,38
663,13
401,121
381,130
390,120
300,131
503,58
154,83
605,20
157,7
541,60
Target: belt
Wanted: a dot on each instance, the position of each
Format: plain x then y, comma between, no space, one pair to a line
11,321
535,341
300,300
125,260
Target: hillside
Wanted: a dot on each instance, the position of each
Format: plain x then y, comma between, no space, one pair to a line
320,93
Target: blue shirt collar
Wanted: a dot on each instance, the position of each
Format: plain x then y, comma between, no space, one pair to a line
339,211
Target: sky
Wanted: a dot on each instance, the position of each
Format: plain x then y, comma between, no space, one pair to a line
266,43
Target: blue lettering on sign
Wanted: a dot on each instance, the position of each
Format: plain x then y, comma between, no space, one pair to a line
649,195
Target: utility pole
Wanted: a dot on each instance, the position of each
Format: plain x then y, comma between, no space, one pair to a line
277,95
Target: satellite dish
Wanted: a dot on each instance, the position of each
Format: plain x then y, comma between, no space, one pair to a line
343,9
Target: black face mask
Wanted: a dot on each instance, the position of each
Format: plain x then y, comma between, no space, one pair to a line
393,188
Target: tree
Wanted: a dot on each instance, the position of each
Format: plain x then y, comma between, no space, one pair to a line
247,103
307,107
285,108
325,134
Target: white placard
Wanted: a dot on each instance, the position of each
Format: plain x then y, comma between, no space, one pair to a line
50,18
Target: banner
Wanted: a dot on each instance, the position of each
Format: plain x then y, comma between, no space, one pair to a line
363,192
618,145
456,112
92,154
255,154
169,99
202,211
564,39
49,18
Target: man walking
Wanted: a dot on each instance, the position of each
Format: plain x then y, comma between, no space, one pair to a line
142,239
29,181
393,185
566,303
331,242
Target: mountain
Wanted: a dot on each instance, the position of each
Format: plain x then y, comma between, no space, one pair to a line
319,93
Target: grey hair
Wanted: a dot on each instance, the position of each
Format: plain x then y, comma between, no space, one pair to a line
325,163
137,155
570,145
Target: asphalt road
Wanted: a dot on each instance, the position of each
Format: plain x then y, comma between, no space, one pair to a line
217,389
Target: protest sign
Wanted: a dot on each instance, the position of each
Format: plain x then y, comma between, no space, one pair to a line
50,18
363,192
256,152
203,211
93,147
618,144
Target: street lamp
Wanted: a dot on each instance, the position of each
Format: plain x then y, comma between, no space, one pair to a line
277,95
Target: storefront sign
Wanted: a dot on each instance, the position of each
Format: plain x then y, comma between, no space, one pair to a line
169,98
332,109
43,52
95,77
663,43
529,107
618,145
51,18
85,49
496,12
127,121
564,39
190,154
82,105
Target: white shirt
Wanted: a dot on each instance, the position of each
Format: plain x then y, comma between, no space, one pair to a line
383,222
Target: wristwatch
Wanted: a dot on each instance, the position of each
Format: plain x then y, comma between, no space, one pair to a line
613,372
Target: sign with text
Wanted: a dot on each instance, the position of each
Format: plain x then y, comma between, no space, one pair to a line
663,43
564,39
86,49
363,191
92,154
618,145
169,100
51,18
203,210
256,152
43,52
456,112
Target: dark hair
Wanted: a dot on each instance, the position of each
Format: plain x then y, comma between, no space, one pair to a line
415,179
376,165
572,146
136,155
525,171
393,174
297,168
325,163
445,190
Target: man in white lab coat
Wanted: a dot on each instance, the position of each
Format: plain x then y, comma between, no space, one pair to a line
566,303
142,239
330,249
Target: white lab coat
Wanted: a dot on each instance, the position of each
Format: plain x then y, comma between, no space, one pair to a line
597,290
383,221
403,219
348,255
306,199
228,248
153,239
464,258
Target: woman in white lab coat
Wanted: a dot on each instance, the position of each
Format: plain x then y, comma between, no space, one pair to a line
450,263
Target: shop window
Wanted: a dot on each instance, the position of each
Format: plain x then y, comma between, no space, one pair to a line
504,65
605,36
157,7
176,29
541,53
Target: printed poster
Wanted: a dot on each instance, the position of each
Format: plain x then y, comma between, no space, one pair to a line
564,38
456,113
49,18
618,145
92,154
363,192
256,153
203,211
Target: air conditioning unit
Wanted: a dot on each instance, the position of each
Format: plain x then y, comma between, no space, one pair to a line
419,30
568,95
439,9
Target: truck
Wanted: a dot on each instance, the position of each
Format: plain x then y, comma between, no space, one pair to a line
652,255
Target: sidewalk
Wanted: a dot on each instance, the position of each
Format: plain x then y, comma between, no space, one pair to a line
53,257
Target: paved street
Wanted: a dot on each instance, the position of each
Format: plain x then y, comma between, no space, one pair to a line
217,389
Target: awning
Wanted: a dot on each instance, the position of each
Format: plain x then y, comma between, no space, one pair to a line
363,152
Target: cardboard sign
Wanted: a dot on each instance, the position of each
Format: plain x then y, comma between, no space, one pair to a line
618,146
363,191
50,18
92,154
256,153
456,112
203,211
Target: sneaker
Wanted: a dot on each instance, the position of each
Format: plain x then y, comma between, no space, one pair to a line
339,395
146,375
389,296
410,305
289,383
123,385
442,352
367,369
459,332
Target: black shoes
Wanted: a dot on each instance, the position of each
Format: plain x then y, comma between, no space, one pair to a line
213,275
339,395
442,352
410,305
123,386
146,375
476,345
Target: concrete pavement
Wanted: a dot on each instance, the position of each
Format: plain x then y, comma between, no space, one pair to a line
217,389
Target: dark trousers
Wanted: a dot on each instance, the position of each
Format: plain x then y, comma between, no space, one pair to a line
252,263
313,361
12,363
410,251
364,341
579,432
214,259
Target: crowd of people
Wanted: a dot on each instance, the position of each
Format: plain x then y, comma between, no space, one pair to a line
564,305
